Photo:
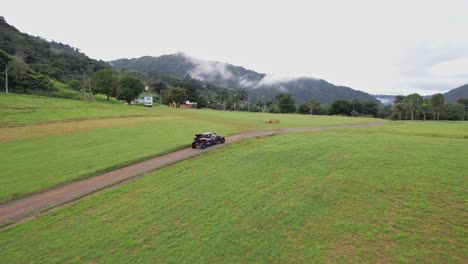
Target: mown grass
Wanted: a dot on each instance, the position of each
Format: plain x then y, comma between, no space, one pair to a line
360,195
35,164
21,110
45,142
18,110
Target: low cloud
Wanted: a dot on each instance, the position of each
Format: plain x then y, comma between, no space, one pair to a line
207,70
214,71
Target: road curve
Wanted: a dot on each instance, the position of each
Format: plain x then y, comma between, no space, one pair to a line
14,211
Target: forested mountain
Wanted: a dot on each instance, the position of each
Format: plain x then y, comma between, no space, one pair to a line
31,58
258,85
457,93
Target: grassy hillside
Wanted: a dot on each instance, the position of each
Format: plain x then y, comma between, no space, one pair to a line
46,142
18,110
383,194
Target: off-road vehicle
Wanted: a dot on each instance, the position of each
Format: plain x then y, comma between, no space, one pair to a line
207,139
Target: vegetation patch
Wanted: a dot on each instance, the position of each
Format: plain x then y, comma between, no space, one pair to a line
360,195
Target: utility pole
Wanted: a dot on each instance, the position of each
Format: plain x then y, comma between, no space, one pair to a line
6,78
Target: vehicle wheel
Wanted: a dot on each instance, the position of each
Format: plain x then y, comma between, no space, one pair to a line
203,145
194,145
222,140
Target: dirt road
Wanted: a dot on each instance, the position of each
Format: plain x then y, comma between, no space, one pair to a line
14,211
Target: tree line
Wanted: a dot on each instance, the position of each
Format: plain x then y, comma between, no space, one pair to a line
416,107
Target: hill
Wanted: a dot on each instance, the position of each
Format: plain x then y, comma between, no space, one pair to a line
259,85
32,58
457,93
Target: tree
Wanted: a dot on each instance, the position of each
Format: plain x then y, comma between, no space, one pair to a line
400,105
464,103
312,104
413,102
452,111
129,88
106,82
175,95
273,108
18,70
369,108
158,86
425,106
222,95
341,107
242,95
4,60
285,103
437,103
74,84
191,86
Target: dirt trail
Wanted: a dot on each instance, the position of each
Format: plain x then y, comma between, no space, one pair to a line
13,211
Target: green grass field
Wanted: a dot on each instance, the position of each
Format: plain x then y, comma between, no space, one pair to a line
45,142
386,194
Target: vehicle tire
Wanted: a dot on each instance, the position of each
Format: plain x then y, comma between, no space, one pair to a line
194,145
203,145
222,140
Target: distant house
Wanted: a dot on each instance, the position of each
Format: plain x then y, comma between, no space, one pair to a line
189,105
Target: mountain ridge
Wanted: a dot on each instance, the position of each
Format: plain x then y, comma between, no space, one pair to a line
259,85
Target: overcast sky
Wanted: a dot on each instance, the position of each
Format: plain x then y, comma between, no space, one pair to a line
389,47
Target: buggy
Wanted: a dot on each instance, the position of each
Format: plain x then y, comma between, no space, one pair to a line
207,139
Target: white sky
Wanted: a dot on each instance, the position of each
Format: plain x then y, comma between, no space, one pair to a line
389,47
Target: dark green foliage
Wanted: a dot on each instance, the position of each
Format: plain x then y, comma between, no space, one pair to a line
56,60
285,103
158,86
385,112
106,82
165,64
303,109
452,111
434,108
129,88
4,59
274,108
437,103
74,84
341,107
413,103
464,103
313,105
175,95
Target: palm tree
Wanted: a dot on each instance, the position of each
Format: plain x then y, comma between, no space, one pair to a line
242,95
222,94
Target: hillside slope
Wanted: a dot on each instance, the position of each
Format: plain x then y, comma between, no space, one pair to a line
259,85
457,93
57,60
